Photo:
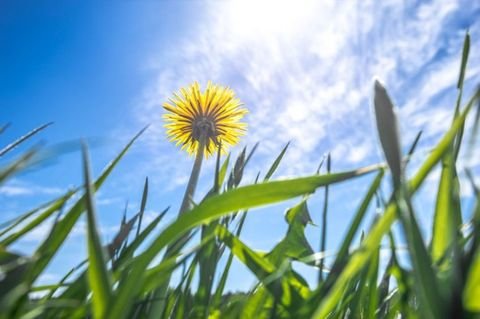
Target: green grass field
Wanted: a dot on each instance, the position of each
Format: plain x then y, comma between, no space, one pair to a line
126,279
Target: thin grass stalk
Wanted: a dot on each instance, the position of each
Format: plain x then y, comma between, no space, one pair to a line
323,242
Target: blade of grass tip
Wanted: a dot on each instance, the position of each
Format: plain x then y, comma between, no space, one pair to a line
461,79
223,170
463,65
358,260
121,236
387,128
390,139
275,164
250,154
142,205
237,173
130,249
413,147
50,246
323,236
321,164
23,138
215,207
99,277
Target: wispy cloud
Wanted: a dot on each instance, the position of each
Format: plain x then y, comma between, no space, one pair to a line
17,187
305,72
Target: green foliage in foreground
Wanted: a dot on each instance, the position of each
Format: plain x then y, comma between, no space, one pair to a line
126,279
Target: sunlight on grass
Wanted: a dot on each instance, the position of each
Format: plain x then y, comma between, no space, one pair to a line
130,277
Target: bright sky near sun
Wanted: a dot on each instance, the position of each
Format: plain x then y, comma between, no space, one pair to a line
304,69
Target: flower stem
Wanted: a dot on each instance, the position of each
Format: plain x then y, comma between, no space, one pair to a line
192,182
159,295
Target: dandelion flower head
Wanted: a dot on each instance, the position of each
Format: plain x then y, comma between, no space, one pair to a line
212,116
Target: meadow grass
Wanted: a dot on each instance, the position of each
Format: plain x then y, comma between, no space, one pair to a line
126,279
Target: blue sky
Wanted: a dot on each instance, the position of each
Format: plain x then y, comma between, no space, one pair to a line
101,70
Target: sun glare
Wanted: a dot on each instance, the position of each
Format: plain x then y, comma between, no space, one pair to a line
269,17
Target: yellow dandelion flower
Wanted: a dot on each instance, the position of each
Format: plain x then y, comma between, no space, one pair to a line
210,118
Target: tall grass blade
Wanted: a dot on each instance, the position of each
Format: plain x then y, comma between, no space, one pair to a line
99,277
215,207
275,164
142,205
381,227
323,236
387,127
23,138
50,246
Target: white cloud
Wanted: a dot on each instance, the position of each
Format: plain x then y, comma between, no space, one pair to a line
305,72
16,187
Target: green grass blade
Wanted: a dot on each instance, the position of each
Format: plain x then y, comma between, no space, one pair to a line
342,255
223,278
217,206
50,246
447,218
99,277
142,205
323,236
381,227
23,138
275,164
471,301
387,127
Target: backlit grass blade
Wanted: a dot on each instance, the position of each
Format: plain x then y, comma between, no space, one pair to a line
323,236
361,256
78,289
50,246
342,254
430,300
447,218
265,271
471,293
99,277
461,79
387,127
142,205
20,140
215,207
223,278
275,164
428,292
471,290
463,65
413,147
